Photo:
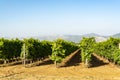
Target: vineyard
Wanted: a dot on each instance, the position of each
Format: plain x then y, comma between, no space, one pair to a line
23,59
31,50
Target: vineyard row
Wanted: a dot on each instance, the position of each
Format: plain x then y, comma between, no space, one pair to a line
57,50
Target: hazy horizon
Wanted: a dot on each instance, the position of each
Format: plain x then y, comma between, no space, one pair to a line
22,18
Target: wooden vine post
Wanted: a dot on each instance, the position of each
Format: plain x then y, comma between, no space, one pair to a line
119,45
24,55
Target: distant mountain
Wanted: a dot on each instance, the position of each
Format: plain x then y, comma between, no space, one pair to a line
91,35
98,37
73,38
116,35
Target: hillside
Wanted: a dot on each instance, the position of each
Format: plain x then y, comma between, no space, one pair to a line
116,35
73,38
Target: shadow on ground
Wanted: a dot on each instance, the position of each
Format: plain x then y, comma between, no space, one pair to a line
46,62
96,62
73,59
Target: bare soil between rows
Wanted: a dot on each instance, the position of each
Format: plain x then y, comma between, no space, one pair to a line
50,72
45,70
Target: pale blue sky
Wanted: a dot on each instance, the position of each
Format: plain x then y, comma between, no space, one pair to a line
21,18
